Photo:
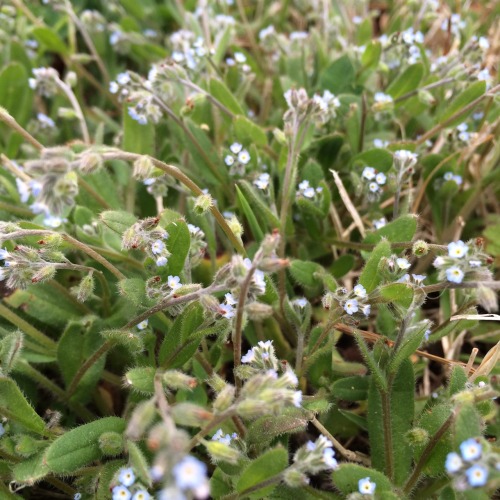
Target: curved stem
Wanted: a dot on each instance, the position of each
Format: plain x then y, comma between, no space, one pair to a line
76,106
176,173
11,122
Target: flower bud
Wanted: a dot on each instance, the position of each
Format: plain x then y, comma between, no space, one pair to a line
328,300
252,408
425,97
203,204
71,79
111,443
66,113
190,415
222,451
143,168
257,311
142,417
295,478
235,226
85,288
487,298
216,382
420,248
91,162
44,274
224,399
417,436
175,379
280,137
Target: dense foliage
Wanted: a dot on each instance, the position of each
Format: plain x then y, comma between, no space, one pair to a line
249,249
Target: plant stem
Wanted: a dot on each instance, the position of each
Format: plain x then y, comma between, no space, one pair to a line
347,454
216,421
12,123
76,106
28,329
176,173
427,452
238,327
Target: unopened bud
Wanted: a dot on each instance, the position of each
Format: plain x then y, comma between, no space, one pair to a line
203,204
175,379
257,311
464,397
417,436
235,226
487,298
142,417
141,379
85,288
222,451
190,415
111,443
425,97
143,168
252,408
224,399
216,382
328,300
91,162
66,113
53,240
294,478
280,137
71,79
420,248
44,274
186,289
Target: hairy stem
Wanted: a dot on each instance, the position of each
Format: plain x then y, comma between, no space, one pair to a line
12,123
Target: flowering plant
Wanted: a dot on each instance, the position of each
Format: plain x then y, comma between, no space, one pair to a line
249,250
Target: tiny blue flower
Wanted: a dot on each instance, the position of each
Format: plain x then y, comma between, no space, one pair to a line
227,311
360,291
366,309
351,306
161,261
189,473
328,455
418,278
403,263
310,446
143,325
4,254
380,178
477,475
157,247
249,357
2,430
454,274
297,398
456,250
141,495
174,282
301,302
77,496
474,263
368,173
471,449
366,487
121,493
126,477
453,463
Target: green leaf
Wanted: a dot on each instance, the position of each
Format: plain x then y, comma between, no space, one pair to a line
406,81
137,138
257,232
269,464
80,446
342,265
380,159
10,350
467,424
370,277
401,416
304,272
347,476
471,93
15,407
378,376
351,388
219,90
458,379
50,40
263,430
138,462
371,55
134,289
141,379
118,220
399,230
248,132
15,94
178,243
409,345
131,340
31,470
79,341
398,293
339,76
265,215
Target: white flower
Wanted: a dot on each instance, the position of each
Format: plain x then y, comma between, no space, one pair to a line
161,261
381,98
453,463
380,178
301,302
229,160
157,247
189,473
266,32
239,57
351,306
366,487
226,310
360,291
472,263
368,173
262,182
126,477
438,262
243,157
230,300
235,148
483,43
456,250
403,263
143,325
249,357
378,223
374,187
454,274
174,282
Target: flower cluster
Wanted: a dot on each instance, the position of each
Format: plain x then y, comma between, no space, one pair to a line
462,260
189,50
472,467
352,303
128,489
262,181
305,190
375,181
311,458
237,159
145,235
44,81
198,244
